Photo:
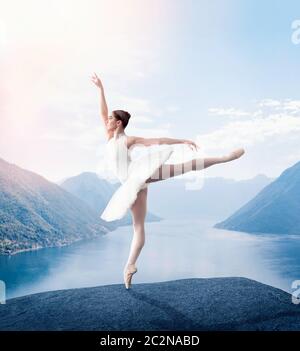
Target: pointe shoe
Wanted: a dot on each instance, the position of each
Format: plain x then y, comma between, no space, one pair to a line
128,273
234,155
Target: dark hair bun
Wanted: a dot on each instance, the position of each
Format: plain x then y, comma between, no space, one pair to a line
122,116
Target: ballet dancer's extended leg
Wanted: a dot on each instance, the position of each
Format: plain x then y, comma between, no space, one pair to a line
166,171
138,210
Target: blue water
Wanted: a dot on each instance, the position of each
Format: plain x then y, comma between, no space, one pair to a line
174,249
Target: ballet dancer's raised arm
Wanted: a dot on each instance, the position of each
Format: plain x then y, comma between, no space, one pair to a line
134,140
103,106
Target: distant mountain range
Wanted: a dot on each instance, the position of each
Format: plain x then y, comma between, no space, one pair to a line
170,198
96,192
275,209
36,213
217,198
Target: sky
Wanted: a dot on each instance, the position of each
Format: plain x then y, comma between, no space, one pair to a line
222,73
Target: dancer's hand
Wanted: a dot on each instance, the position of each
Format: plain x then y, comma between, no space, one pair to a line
96,80
192,144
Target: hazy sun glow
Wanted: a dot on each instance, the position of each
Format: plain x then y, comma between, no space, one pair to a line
48,51
219,72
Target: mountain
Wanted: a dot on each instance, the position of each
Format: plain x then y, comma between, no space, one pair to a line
96,192
212,304
217,198
36,213
275,209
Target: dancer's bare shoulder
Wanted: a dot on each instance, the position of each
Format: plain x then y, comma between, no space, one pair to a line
131,140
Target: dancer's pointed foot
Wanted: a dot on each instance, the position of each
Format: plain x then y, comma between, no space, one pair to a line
233,155
129,271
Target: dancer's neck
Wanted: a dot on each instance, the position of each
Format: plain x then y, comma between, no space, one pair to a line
119,134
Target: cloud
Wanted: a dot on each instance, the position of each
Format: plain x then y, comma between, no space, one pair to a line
276,119
282,105
291,105
269,103
230,112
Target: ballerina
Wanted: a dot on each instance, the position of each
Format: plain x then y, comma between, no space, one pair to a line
135,175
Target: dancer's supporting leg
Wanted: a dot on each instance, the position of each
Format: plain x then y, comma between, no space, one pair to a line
166,171
138,210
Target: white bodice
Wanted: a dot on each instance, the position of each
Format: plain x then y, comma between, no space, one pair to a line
133,173
119,156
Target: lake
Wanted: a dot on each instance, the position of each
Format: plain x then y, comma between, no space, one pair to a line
174,249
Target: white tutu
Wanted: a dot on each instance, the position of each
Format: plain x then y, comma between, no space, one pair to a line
139,171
